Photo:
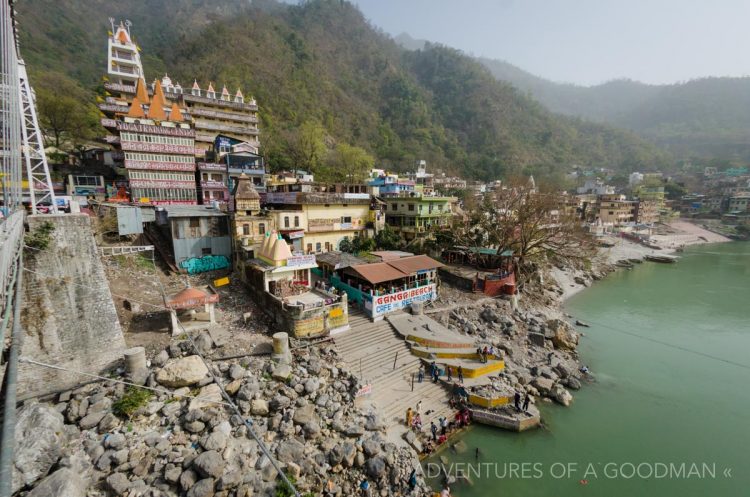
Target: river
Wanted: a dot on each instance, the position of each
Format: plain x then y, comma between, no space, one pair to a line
669,413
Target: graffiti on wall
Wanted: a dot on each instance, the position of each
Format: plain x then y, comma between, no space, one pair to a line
196,265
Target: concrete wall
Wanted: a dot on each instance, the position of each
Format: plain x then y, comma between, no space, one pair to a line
68,313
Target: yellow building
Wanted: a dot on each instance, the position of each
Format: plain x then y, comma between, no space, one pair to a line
316,222
249,226
615,210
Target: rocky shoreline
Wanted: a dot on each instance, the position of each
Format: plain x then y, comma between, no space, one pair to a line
106,438
183,441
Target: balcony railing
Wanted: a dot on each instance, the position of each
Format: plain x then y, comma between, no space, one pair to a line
162,183
222,103
214,185
243,130
158,147
217,114
123,109
211,166
158,166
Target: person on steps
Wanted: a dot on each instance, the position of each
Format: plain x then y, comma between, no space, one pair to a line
460,374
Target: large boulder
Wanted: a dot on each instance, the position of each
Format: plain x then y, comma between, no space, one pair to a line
543,385
182,372
561,396
290,450
209,464
305,414
375,467
563,337
208,396
62,483
40,441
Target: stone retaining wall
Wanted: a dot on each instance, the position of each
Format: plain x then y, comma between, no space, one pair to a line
68,314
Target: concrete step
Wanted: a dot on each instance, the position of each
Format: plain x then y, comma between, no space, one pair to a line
443,353
473,368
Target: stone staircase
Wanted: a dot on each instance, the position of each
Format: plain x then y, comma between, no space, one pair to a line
370,350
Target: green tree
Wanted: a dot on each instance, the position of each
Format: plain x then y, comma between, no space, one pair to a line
66,115
347,164
307,146
387,239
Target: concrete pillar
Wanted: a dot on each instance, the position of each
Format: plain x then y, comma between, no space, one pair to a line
211,313
176,330
135,359
281,353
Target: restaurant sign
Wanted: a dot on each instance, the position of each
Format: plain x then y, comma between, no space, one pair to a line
383,304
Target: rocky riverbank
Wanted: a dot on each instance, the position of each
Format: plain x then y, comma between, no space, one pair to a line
107,439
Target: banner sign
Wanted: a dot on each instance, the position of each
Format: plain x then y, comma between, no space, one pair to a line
384,304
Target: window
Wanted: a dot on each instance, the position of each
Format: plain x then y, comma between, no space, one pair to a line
246,229
309,248
394,207
296,221
195,222
328,246
411,207
261,228
206,251
286,221
318,247
346,219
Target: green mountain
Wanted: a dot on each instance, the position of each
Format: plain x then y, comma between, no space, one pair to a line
322,62
705,118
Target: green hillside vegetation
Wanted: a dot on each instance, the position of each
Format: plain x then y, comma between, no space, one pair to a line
702,118
333,90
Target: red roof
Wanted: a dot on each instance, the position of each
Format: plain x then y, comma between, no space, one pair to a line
191,297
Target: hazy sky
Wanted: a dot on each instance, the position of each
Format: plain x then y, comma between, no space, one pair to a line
584,41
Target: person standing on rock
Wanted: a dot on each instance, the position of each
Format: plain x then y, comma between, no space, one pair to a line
460,374
517,401
526,402
409,417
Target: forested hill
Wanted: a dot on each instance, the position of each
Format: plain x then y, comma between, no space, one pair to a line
322,65
700,118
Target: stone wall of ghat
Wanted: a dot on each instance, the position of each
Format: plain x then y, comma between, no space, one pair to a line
68,314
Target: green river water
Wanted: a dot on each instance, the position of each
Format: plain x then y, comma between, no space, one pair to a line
655,407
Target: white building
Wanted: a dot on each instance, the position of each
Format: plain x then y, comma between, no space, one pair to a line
635,178
123,60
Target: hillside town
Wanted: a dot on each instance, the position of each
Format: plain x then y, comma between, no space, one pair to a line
205,325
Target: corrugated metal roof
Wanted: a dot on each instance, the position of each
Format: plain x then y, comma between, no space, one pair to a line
387,255
192,211
414,264
378,272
